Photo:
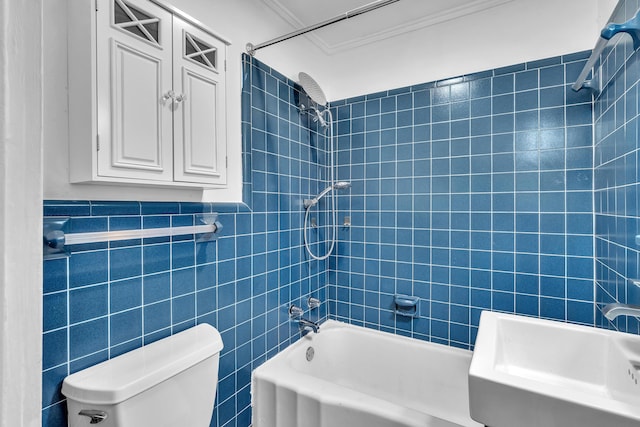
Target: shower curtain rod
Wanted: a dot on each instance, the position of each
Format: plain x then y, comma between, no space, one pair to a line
251,49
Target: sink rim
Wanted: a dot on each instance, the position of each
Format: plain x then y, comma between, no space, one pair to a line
484,365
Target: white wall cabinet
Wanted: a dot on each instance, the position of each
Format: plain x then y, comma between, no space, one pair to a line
147,96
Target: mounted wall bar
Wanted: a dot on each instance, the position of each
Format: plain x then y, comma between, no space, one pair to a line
632,27
251,49
56,241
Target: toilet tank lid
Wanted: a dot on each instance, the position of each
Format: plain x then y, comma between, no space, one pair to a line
127,375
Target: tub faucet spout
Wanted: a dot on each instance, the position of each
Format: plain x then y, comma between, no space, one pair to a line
611,311
307,325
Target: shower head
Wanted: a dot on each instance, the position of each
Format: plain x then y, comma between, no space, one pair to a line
312,88
342,185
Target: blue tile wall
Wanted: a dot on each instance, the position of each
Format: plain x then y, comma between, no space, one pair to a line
107,299
617,180
471,193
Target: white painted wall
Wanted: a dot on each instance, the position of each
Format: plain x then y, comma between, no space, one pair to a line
512,33
519,31
20,213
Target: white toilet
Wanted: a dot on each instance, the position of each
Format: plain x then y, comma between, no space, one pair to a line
169,383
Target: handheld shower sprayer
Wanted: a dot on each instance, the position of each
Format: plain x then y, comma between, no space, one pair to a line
342,185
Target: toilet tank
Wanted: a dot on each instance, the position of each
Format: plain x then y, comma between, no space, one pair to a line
169,383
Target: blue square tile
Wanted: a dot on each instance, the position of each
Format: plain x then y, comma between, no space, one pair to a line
54,311
88,303
52,384
125,263
87,338
527,100
581,268
156,287
526,80
54,348
552,76
87,268
503,123
55,415
552,117
459,91
125,294
579,114
503,104
480,88
527,120
553,308
125,326
504,301
54,275
182,254
503,84
156,316
441,95
527,305
206,301
156,258
580,312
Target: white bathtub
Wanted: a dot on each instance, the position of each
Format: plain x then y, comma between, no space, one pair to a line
362,378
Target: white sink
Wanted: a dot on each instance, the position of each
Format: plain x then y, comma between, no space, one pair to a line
528,372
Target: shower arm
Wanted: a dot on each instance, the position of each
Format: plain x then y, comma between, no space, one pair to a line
251,49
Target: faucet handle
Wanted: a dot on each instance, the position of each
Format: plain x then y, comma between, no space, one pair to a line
295,312
313,302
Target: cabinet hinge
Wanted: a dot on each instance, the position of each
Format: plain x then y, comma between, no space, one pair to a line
226,162
96,5
97,142
225,65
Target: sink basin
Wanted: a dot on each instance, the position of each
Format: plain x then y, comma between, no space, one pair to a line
529,372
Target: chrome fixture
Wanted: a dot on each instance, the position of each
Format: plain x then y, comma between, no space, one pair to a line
316,95
337,186
295,312
318,116
611,311
307,325
251,49
95,415
313,302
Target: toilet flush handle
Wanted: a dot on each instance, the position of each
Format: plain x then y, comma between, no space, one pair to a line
95,415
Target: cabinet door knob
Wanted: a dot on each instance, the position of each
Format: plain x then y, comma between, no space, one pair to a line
178,99
169,95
